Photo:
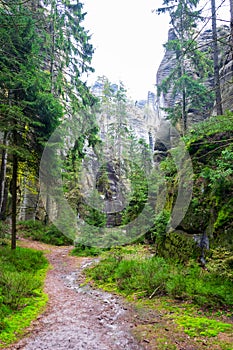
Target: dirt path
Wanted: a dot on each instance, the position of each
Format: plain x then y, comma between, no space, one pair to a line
77,318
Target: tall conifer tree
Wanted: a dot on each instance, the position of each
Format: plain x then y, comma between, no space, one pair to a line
186,78
43,55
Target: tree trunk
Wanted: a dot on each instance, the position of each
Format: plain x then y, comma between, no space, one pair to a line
4,202
14,200
47,209
184,112
52,53
218,98
3,177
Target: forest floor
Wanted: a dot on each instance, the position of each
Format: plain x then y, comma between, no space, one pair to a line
81,317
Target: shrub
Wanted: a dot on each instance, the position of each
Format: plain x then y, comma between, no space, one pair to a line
56,237
21,259
82,250
21,275
4,233
16,286
126,276
38,231
156,276
103,272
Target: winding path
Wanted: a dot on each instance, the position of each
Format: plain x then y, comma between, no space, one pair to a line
77,317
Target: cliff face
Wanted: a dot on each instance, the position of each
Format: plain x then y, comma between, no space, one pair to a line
166,66
226,71
167,100
141,118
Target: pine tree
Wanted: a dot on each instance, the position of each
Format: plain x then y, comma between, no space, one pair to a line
69,53
44,52
187,77
23,89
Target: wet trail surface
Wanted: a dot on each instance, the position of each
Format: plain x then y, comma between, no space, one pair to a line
77,317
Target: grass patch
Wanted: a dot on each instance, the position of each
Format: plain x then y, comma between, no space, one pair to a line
15,324
156,276
132,250
175,305
21,291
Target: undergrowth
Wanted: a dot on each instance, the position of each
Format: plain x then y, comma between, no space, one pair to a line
21,296
82,250
192,304
151,276
38,231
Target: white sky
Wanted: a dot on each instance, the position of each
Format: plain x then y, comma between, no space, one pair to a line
128,40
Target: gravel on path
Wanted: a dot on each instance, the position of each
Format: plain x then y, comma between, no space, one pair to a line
77,317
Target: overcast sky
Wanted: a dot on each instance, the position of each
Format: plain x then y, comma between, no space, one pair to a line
128,38
128,41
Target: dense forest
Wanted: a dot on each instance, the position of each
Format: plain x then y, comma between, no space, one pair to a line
77,170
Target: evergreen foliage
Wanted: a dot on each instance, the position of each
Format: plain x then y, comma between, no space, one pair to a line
38,231
186,80
44,52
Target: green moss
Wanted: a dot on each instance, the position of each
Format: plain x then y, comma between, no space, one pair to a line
220,262
209,127
17,323
177,246
224,214
202,326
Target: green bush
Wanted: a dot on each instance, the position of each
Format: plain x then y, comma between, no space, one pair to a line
82,250
16,286
2,316
38,231
154,281
56,237
21,259
21,272
4,233
156,276
176,286
126,276
158,231
132,275
104,271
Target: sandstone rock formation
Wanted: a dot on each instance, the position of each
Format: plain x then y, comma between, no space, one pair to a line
141,117
167,100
